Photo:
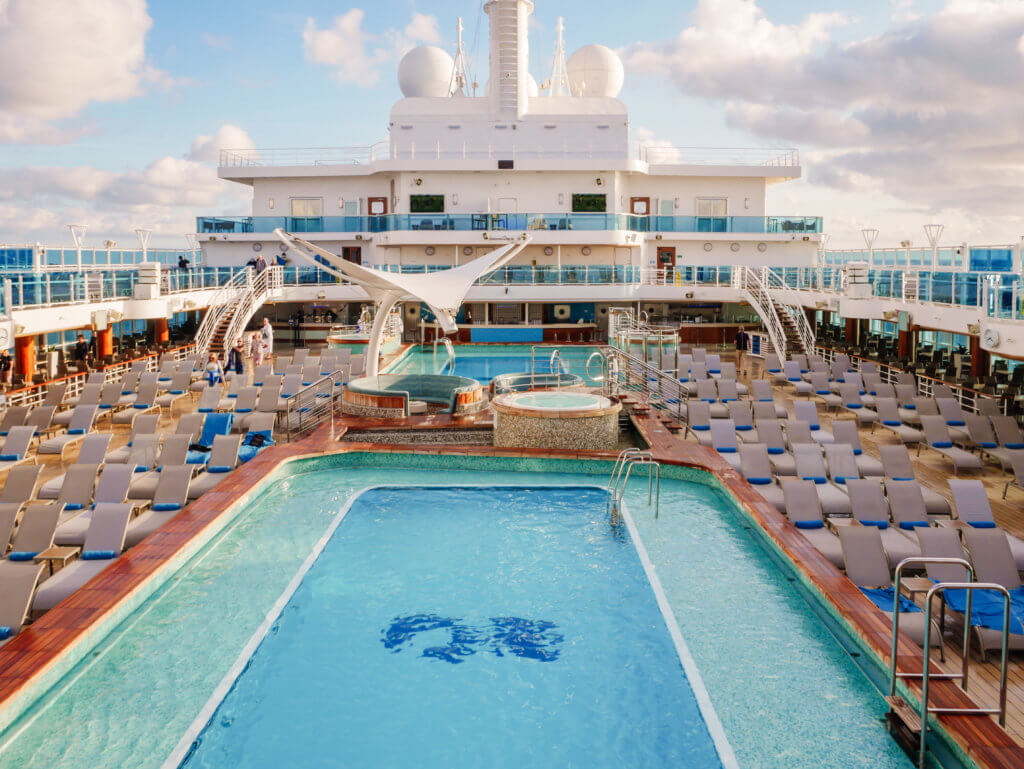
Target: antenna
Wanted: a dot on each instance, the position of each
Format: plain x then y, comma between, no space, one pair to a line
460,74
559,83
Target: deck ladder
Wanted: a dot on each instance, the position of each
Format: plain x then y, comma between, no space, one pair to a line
450,363
624,464
899,708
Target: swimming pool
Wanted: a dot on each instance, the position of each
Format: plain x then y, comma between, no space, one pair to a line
484,362
786,694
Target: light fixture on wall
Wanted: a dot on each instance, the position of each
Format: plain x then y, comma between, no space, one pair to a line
708,246
746,203
561,198
341,204
467,250
418,182
548,250
599,181
429,250
271,203
455,198
585,250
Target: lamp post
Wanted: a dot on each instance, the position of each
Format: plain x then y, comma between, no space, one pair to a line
870,235
78,236
933,232
143,235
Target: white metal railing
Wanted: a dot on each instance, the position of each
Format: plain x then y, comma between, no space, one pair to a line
748,280
725,156
773,280
220,303
261,287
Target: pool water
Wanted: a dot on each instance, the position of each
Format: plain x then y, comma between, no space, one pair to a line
484,362
558,401
398,649
787,695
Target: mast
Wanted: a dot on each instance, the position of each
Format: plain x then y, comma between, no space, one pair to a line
559,83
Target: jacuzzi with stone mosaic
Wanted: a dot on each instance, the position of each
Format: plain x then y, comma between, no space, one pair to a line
556,420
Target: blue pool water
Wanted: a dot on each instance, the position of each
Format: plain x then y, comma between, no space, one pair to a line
512,625
786,693
484,362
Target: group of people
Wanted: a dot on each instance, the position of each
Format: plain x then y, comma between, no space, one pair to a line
260,348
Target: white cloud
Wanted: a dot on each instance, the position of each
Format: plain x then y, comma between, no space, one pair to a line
166,195
927,112
206,149
357,55
57,57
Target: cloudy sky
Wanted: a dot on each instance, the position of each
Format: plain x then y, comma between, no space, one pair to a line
905,111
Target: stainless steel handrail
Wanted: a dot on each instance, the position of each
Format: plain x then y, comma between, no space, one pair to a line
628,459
313,405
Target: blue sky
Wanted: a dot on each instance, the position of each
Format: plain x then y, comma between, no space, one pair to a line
884,151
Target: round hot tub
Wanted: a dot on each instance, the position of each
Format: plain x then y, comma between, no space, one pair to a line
556,420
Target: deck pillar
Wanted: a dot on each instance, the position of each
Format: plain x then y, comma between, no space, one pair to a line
105,342
25,356
161,332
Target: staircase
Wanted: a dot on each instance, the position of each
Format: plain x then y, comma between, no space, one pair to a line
786,324
233,306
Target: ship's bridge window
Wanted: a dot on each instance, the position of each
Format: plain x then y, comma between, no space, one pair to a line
589,203
426,204
712,214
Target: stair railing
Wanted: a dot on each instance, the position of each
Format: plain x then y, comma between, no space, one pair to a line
220,303
748,281
774,281
262,286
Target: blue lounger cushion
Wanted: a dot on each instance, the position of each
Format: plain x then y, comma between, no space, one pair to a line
197,457
218,469
955,422
73,506
98,555
911,407
759,481
876,524
10,457
911,525
818,479
815,427
854,406
822,392
5,632
726,449
1015,445
700,427
810,524
22,555
989,445
141,406
942,444
885,597
141,468
76,431
743,428
776,450
987,608
982,524
166,507
891,422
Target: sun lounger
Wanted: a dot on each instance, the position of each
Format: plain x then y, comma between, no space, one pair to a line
35,534
173,453
798,433
794,377
16,446
145,402
177,389
897,466
756,469
215,424
773,368
889,418
905,395
223,459
18,582
1008,432
169,498
982,436
868,568
104,542
937,437
81,422
845,431
265,404
870,508
76,490
841,463
761,392
55,393
974,509
810,466
93,452
724,441
128,385
1017,468
15,416
769,431
822,390
854,403
144,452
146,424
743,420
956,419
803,508
90,394
111,488
110,399
808,412
907,505
259,436
19,488
41,418
698,421
209,401
986,608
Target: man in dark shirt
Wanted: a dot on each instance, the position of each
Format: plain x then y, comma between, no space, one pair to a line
6,367
742,340
81,352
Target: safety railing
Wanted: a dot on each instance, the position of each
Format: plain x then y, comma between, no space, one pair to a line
659,389
266,284
619,479
774,280
312,406
750,282
221,303
926,675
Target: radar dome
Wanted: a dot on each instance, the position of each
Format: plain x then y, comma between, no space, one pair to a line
595,70
532,89
426,71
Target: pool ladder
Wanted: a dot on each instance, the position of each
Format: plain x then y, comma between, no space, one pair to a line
901,713
624,464
450,363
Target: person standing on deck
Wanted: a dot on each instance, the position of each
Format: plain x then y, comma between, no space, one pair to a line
6,368
236,358
267,336
256,349
742,340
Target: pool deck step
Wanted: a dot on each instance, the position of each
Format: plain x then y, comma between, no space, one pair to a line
907,716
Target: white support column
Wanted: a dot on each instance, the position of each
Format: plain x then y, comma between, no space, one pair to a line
382,309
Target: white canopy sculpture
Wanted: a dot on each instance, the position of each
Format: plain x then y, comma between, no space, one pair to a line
443,291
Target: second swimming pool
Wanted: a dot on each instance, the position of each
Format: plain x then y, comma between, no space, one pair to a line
483,362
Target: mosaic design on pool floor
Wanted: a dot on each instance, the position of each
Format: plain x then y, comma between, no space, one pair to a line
520,637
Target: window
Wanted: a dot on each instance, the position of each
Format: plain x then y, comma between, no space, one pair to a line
711,214
589,204
426,204
307,207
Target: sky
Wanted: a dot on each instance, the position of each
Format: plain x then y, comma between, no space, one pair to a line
905,112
